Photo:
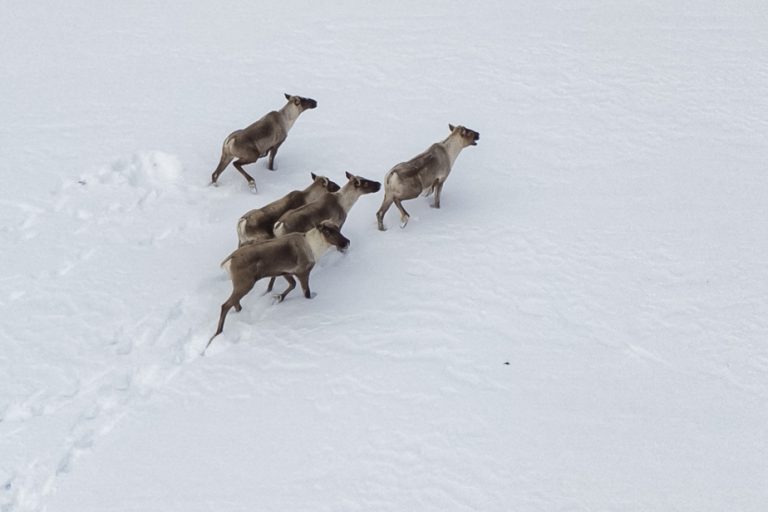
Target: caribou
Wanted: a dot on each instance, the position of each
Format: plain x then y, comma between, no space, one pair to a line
292,255
424,174
263,137
257,224
331,207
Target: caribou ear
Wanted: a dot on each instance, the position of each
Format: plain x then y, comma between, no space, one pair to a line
451,127
287,96
349,176
313,176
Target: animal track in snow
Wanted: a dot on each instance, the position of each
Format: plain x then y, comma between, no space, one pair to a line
82,222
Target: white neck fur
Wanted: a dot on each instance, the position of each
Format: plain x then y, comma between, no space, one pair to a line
290,113
316,242
453,146
348,195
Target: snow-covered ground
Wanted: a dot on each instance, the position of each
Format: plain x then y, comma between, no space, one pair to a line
582,326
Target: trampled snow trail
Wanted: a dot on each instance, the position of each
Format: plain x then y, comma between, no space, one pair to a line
581,326
100,353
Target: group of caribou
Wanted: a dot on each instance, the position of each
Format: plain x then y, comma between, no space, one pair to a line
286,237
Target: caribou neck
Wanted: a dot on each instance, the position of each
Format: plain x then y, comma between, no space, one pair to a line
348,195
316,242
314,192
453,146
290,113
312,186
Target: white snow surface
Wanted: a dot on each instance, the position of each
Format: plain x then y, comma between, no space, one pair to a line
582,326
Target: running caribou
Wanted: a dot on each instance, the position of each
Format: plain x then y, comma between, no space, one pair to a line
425,173
257,224
261,138
331,207
292,255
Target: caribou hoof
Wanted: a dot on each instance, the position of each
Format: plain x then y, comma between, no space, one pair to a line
277,299
252,186
404,222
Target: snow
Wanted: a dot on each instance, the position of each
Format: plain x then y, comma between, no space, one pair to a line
581,326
